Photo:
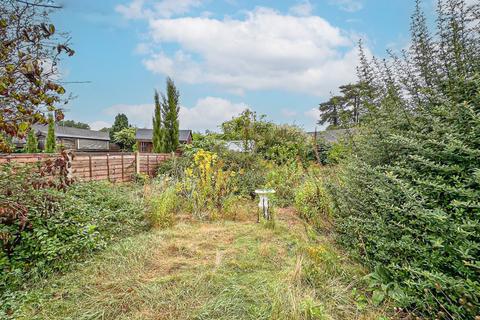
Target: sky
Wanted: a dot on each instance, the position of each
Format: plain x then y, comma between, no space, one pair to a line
278,58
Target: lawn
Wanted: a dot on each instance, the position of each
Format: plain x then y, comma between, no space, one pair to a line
215,270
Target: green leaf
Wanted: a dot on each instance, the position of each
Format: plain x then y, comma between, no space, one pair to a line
22,127
377,297
51,29
60,90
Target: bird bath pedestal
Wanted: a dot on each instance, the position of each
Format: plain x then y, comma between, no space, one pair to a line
263,205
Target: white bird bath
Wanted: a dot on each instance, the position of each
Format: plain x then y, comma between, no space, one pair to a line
263,204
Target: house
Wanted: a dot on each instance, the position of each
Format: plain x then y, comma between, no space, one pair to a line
74,138
144,139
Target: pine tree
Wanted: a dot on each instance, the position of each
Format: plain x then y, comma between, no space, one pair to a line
50,140
330,111
170,111
31,145
158,126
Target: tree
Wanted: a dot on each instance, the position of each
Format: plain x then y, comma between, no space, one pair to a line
31,146
352,97
330,111
73,124
120,123
246,127
408,198
126,138
170,109
30,49
50,140
158,138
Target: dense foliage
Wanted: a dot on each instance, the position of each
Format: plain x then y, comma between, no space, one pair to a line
170,110
120,123
73,124
31,145
45,223
50,140
126,138
158,134
313,201
30,48
408,197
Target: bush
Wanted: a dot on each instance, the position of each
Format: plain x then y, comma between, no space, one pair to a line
313,203
251,171
408,198
44,229
284,180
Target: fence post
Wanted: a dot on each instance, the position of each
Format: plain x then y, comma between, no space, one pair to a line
123,179
148,165
137,162
108,168
90,166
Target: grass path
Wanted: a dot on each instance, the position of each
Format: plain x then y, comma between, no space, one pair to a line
222,270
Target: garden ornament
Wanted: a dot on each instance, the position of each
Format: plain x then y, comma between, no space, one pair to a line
263,205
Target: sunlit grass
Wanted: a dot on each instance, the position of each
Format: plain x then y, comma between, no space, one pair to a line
222,270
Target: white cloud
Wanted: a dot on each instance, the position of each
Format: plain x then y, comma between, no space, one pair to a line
288,113
133,10
138,9
313,113
303,8
266,50
207,113
97,125
348,5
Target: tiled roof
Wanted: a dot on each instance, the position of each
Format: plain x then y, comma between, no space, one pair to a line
147,134
69,132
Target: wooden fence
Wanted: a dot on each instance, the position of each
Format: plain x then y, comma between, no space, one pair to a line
115,167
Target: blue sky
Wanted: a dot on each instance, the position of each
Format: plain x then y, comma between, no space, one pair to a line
279,58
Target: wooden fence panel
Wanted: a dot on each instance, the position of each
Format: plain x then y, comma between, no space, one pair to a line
115,167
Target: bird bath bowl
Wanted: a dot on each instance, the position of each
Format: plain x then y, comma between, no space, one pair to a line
263,205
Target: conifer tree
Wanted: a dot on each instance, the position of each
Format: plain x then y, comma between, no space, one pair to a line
158,126
408,201
50,140
330,111
31,146
170,109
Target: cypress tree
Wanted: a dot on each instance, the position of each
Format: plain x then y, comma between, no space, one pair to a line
50,141
170,111
32,142
158,129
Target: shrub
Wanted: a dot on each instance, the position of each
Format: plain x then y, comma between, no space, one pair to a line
251,171
313,203
337,152
408,198
284,180
43,228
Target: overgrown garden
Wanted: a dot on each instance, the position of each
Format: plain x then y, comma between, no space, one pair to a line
384,223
